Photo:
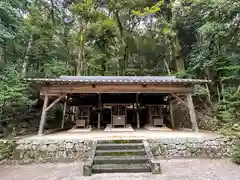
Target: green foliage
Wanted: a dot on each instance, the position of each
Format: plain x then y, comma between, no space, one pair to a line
236,153
57,68
149,10
13,87
6,149
229,110
215,56
8,20
200,91
218,38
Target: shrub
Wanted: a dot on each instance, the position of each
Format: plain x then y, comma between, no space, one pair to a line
236,153
6,149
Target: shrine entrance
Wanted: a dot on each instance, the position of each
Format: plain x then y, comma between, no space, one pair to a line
119,110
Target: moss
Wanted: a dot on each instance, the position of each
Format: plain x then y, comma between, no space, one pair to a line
120,153
7,149
236,153
123,141
16,155
40,154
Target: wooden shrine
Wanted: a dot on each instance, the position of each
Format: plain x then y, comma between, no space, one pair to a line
155,115
65,86
118,115
83,115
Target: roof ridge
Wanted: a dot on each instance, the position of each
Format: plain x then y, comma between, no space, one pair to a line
120,79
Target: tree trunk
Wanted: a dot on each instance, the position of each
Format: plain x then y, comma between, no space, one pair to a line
180,64
1,54
118,66
81,64
209,95
26,57
122,60
103,67
2,61
2,109
52,12
84,63
167,67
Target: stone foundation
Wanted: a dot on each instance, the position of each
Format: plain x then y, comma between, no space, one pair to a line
217,147
39,151
128,128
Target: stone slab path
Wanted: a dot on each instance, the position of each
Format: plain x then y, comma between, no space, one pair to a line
175,169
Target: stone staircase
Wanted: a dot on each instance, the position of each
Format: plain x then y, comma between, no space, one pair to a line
120,156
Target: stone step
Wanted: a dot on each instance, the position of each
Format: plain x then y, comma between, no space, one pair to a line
114,168
120,160
120,141
120,146
123,152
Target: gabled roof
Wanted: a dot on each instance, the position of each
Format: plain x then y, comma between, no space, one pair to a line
117,80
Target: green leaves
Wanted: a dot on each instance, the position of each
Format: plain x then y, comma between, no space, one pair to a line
12,86
149,10
229,108
236,153
8,21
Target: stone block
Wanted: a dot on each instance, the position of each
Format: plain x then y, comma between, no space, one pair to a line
69,145
181,147
87,168
52,147
155,167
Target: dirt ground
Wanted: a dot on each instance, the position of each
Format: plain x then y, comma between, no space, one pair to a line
175,169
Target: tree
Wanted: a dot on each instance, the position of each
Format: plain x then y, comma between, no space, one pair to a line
187,38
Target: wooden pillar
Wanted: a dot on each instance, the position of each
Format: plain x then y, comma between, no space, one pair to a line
138,119
171,114
64,112
111,116
192,113
44,114
125,122
150,114
99,113
89,115
99,120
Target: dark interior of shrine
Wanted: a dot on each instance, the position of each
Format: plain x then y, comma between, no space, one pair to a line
104,102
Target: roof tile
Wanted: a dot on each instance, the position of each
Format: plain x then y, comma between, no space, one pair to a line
119,79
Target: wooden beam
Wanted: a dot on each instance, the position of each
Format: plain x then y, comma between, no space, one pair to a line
54,102
192,113
44,113
118,88
179,100
64,112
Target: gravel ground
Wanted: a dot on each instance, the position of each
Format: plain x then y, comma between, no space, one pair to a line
178,169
